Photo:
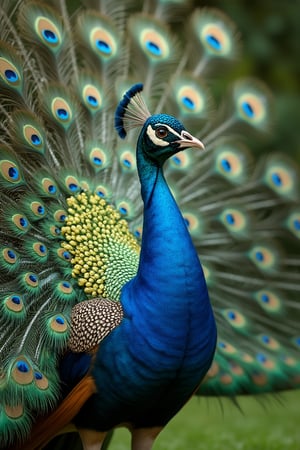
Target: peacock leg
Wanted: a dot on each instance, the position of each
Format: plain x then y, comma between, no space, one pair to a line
143,438
91,440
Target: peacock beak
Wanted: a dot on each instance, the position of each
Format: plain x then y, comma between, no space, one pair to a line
187,140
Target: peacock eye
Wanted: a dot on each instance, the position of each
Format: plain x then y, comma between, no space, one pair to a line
161,132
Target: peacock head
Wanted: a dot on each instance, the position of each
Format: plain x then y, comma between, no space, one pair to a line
161,136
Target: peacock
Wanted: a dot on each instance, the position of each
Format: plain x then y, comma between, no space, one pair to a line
108,317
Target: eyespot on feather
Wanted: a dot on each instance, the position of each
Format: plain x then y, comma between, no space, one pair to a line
235,318
215,39
235,220
10,172
265,361
31,279
269,342
98,158
265,258
103,42
72,184
92,98
181,161
54,231
125,208
33,137
64,254
9,73
65,287
252,102
228,163
236,369
215,32
191,99
14,412
138,232
245,357
251,108
152,40
259,379
281,178
127,161
27,132
60,215
154,45
225,378
49,187
99,33
269,300
58,324
289,360
21,222
61,111
48,33
41,381
231,161
21,371
226,348
40,249
103,191
36,209
10,256
14,303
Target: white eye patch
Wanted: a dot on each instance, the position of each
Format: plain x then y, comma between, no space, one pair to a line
155,139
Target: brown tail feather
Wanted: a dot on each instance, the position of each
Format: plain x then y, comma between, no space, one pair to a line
66,411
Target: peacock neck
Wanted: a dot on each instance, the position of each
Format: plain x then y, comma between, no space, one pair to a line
169,266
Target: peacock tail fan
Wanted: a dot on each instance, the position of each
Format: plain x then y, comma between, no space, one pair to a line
71,212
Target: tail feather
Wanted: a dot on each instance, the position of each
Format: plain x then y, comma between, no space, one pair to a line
48,427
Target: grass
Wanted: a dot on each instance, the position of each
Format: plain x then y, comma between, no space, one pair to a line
205,424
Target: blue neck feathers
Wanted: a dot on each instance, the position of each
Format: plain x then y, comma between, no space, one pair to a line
169,275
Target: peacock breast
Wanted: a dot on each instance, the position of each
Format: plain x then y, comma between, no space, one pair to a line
167,335
156,357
